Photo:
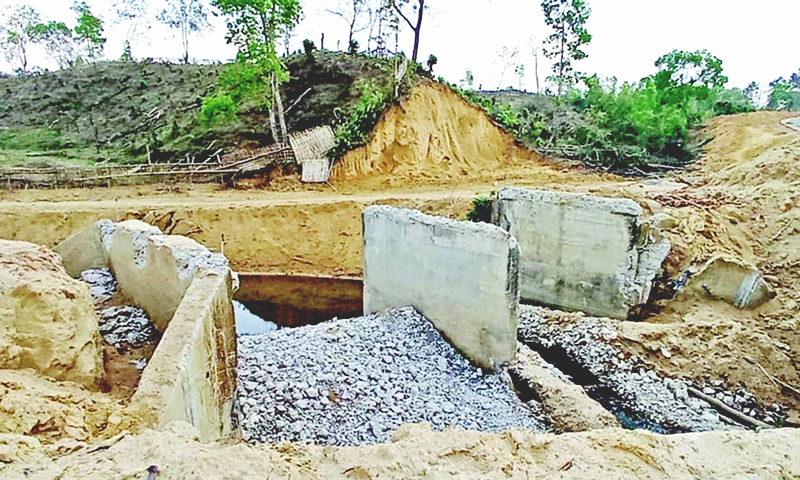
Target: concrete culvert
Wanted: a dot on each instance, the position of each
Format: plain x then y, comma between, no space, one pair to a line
352,382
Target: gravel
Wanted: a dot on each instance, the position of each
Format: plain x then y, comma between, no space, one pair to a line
639,397
126,326
352,382
102,284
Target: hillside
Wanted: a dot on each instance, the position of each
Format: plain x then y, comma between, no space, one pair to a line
119,110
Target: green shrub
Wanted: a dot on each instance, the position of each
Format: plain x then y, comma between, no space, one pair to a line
481,210
218,108
361,119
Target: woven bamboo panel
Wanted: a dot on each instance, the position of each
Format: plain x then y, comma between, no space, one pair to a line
312,144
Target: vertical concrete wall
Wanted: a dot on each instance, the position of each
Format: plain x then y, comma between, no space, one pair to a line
579,252
187,291
192,375
460,275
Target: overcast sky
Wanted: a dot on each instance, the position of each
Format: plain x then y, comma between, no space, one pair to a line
756,40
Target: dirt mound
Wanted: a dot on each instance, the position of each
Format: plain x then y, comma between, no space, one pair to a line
50,411
417,452
47,320
433,134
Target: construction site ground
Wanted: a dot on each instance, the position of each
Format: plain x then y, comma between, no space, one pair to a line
742,198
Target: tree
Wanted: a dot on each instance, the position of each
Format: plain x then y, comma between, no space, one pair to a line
254,26
186,16
785,94
753,92
568,19
520,71
418,8
698,68
468,80
432,60
56,40
506,59
136,14
89,31
352,12
16,34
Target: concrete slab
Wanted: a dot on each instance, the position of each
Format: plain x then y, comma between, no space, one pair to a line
580,252
460,275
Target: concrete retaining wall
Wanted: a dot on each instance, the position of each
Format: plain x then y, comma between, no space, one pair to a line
580,252
460,275
186,289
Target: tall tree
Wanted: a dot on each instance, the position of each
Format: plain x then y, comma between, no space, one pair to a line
89,32
135,14
354,13
417,7
186,16
694,69
16,34
254,26
785,94
56,40
568,19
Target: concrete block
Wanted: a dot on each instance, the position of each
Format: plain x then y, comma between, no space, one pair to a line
731,280
580,252
82,251
460,275
155,270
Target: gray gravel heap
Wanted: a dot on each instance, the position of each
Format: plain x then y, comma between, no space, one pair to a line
660,401
126,326
352,382
102,284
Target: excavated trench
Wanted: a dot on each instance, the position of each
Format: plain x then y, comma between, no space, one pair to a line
293,384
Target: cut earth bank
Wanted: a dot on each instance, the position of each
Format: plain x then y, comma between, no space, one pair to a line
739,201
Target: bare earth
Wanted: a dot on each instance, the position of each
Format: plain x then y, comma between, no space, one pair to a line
742,199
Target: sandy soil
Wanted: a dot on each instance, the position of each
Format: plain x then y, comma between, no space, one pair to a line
741,199
418,453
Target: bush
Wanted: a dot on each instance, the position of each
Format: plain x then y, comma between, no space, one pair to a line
219,108
481,210
359,120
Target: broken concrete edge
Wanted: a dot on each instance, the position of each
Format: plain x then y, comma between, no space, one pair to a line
640,252
187,290
567,404
731,280
461,275
617,206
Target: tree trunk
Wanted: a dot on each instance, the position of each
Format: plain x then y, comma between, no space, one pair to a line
418,29
276,92
536,68
272,127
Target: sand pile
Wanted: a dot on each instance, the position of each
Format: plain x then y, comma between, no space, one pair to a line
47,320
433,134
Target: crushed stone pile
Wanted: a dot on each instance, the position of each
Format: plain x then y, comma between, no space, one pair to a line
126,325
639,397
352,382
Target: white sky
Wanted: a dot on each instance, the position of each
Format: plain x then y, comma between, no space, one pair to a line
756,41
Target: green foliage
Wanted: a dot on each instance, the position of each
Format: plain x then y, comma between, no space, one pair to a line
89,31
308,48
785,93
432,60
352,49
56,40
698,68
481,210
359,120
17,32
219,108
568,19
